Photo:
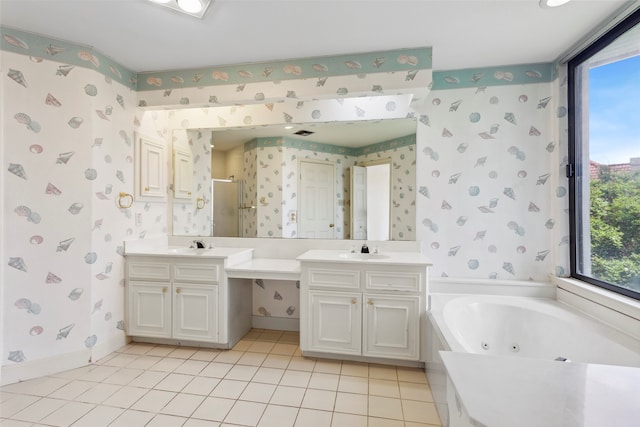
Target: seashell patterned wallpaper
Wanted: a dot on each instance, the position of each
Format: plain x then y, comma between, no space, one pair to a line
490,194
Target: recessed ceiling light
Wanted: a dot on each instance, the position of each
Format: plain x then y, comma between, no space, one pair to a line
546,4
195,8
288,127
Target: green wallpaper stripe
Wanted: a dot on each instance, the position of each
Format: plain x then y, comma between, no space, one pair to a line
494,76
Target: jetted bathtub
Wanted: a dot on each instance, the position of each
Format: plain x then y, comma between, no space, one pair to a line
529,327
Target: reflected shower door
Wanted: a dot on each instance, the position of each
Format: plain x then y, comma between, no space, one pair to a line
226,200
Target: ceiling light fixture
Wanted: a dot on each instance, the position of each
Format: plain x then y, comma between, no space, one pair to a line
195,8
547,4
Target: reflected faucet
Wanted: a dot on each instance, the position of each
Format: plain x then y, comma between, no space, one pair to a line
364,249
198,244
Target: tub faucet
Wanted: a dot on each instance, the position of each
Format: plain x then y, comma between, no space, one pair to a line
364,249
198,244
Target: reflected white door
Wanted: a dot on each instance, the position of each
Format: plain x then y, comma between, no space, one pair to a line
358,202
316,200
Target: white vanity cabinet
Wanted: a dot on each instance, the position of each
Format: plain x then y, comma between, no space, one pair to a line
183,299
362,309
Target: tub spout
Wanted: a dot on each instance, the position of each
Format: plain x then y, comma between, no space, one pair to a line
561,359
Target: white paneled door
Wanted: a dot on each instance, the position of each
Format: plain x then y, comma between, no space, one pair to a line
316,200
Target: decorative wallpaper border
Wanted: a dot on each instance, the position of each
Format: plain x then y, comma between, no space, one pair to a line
329,148
70,54
494,76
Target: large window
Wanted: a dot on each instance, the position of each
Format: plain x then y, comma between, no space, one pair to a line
604,160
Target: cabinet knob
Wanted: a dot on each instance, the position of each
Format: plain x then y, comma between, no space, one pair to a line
146,188
370,302
353,301
164,290
178,290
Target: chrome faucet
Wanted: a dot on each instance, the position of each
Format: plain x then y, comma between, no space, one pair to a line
364,249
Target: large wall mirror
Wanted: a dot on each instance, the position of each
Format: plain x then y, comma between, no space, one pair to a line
336,180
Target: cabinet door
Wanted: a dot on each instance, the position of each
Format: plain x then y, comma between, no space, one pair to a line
195,312
335,322
149,309
182,174
392,326
151,165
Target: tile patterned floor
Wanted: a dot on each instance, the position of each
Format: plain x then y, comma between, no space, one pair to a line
263,381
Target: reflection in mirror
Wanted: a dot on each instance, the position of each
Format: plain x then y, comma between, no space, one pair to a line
265,161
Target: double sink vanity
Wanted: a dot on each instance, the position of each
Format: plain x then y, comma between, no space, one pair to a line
352,305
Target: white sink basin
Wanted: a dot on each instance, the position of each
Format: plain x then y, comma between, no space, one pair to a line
358,255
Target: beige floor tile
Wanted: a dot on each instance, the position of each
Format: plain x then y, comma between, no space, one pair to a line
411,375
352,403
295,378
288,338
349,384
123,377
72,390
324,381
39,409
261,346
348,420
301,364
144,362
216,370
278,416
256,392
138,348
276,361
273,336
268,375
213,409
319,399
415,391
193,422
312,417
42,386
385,407
100,373
17,404
182,352
229,389
229,356
287,396
153,401
191,367
245,413
355,369
125,397
160,350
252,359
386,388
241,373
132,418
99,416
284,349
74,374
328,366
412,424
183,405
167,364
383,372
202,386
15,423
121,360
421,412
163,420
174,382
205,355
98,393
148,379
68,414
384,422
242,345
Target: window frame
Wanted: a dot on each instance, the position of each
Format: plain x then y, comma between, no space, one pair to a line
576,167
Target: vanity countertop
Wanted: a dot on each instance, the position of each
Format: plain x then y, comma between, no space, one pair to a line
266,268
182,251
508,391
396,258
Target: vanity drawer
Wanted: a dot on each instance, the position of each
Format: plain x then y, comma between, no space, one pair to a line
148,270
325,278
393,281
209,273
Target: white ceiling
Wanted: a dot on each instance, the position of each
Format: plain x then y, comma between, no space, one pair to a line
463,33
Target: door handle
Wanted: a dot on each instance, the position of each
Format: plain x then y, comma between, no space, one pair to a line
331,225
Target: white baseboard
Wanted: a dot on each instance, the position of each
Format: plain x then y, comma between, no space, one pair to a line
23,371
46,366
275,323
